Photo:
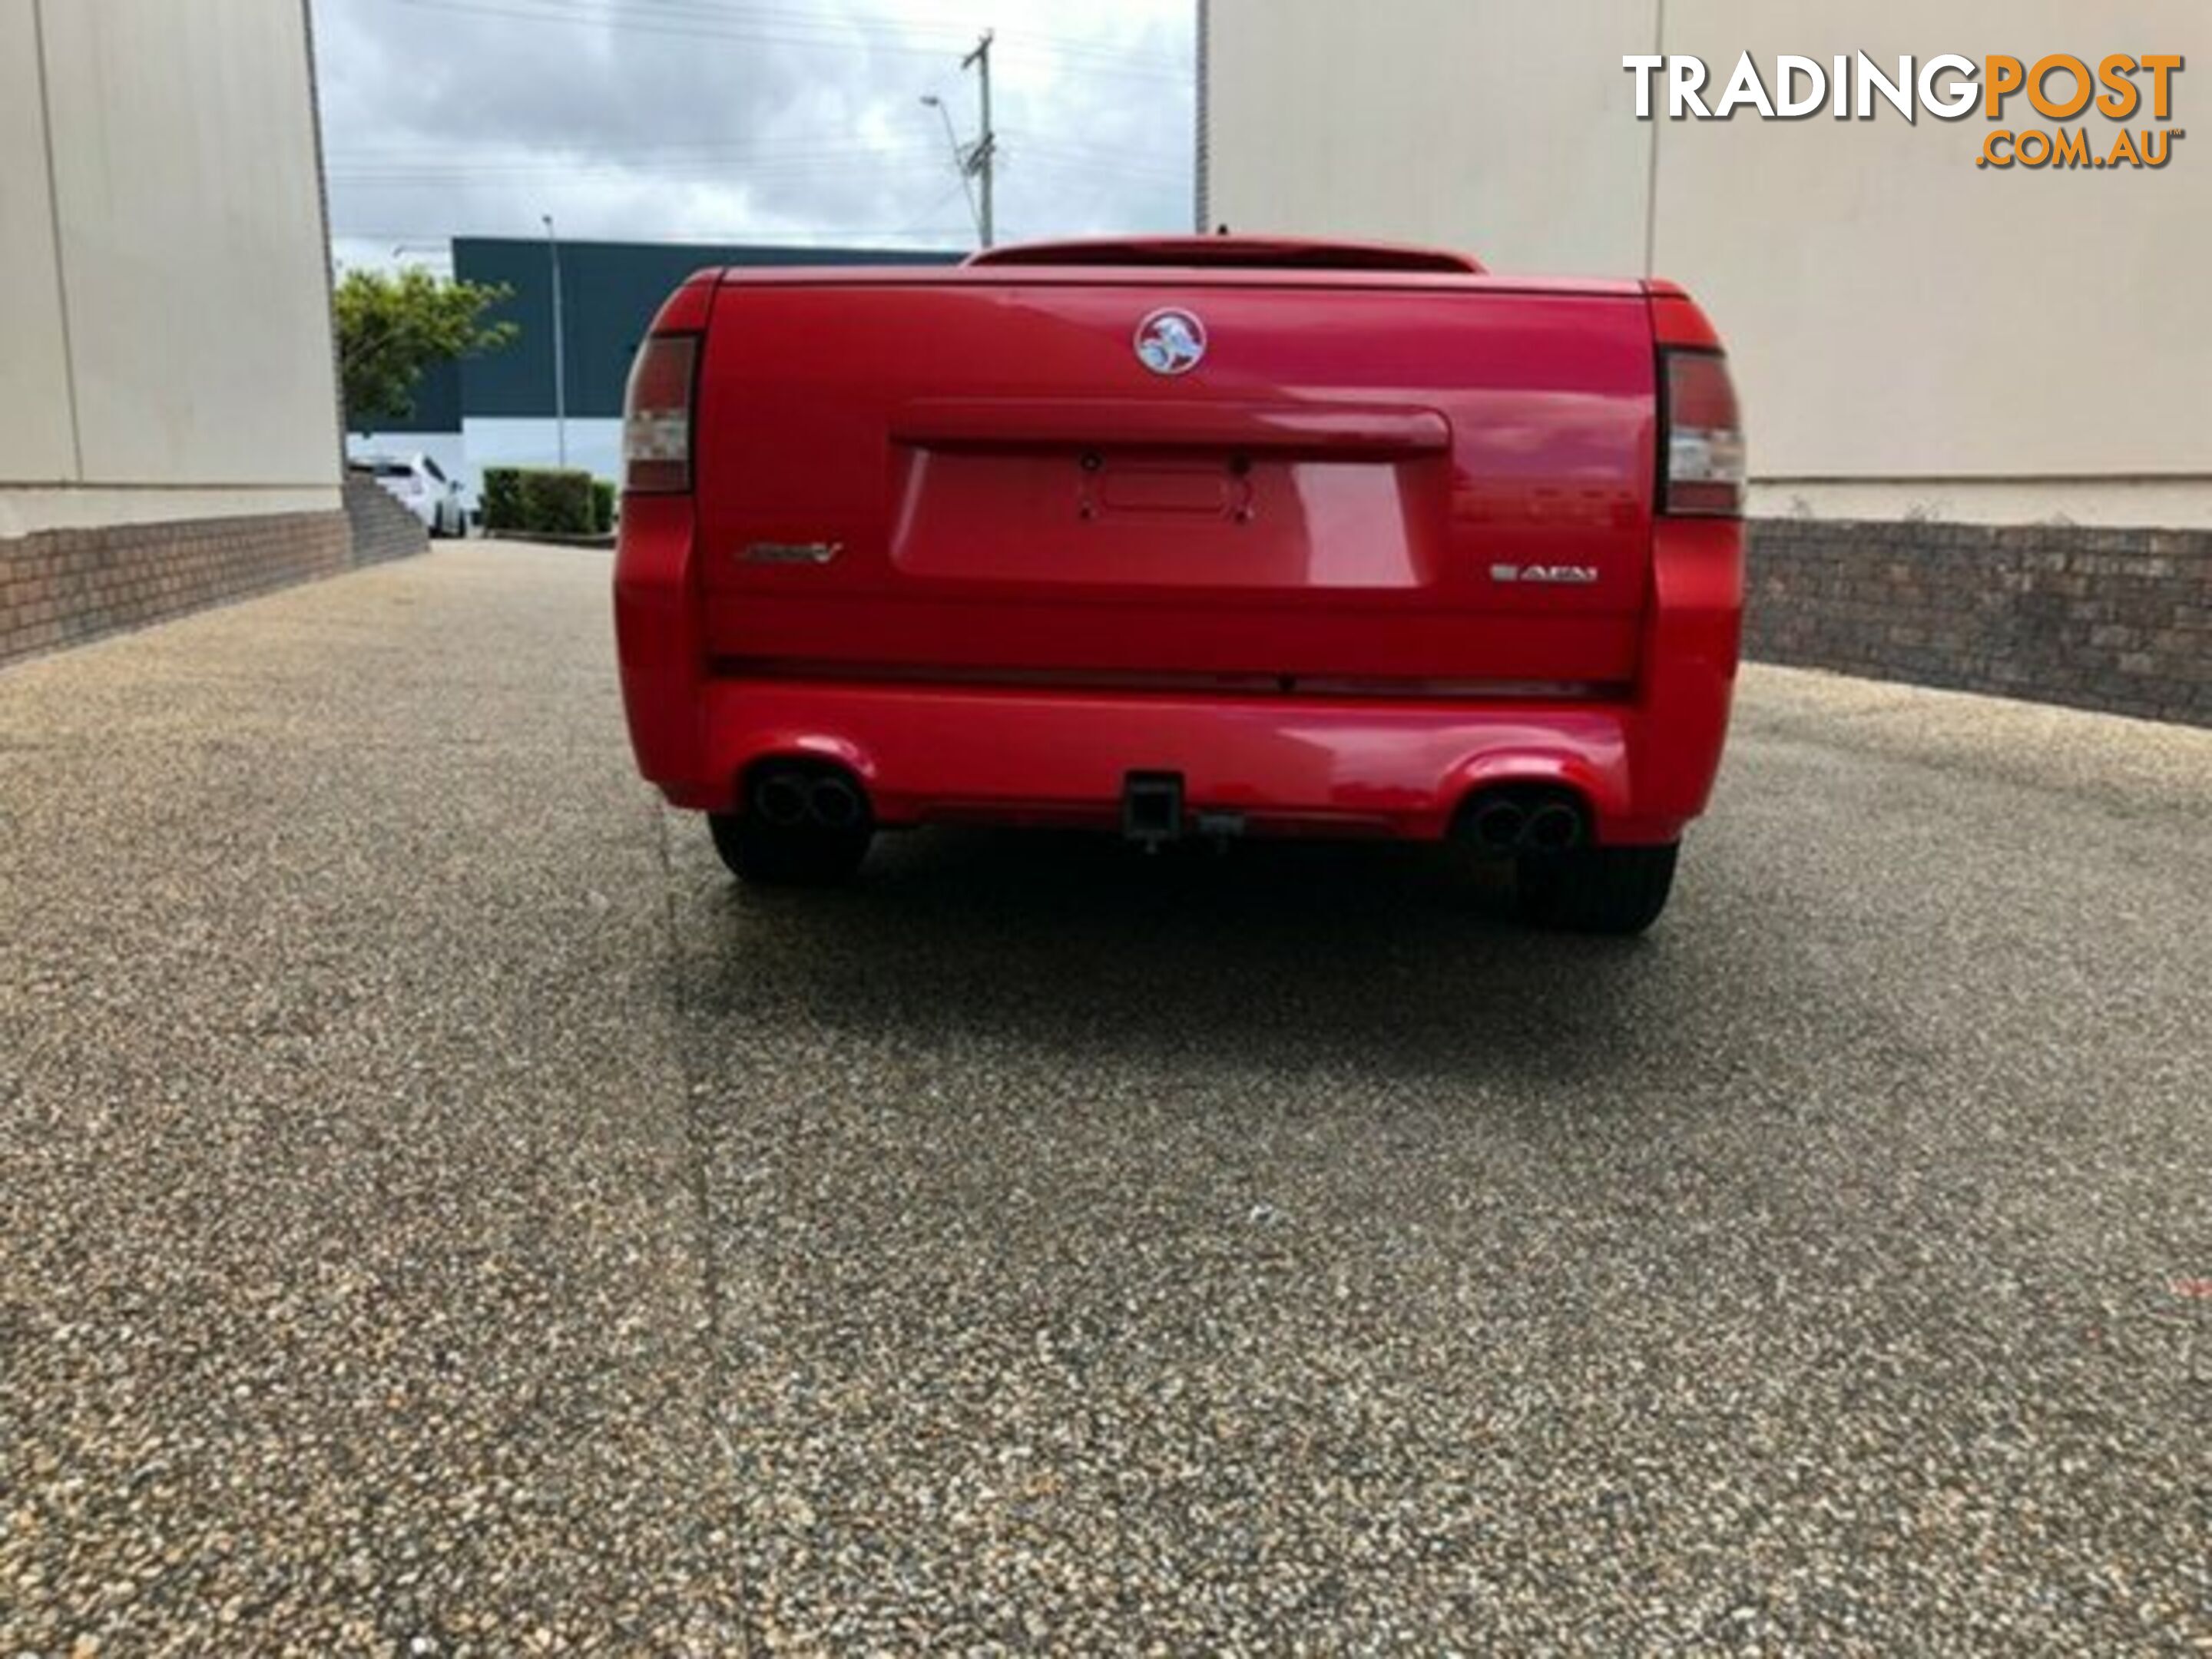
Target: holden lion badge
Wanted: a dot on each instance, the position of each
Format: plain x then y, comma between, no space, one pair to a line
1171,342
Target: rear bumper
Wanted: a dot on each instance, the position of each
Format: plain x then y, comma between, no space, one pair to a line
1287,763
1644,763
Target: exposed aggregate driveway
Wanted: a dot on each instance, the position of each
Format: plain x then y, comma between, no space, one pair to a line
440,1212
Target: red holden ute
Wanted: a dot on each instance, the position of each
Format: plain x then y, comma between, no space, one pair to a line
1189,537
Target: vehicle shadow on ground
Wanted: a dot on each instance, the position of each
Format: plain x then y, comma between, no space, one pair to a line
1280,956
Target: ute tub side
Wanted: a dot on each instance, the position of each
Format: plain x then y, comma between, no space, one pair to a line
1692,630
661,647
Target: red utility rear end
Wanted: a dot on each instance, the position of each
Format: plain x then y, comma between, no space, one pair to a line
1294,537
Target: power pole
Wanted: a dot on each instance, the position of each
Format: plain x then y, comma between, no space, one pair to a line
560,354
985,151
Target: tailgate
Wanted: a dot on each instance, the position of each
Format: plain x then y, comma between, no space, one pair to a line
1353,483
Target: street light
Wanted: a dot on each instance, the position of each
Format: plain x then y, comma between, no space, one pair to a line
931,100
560,361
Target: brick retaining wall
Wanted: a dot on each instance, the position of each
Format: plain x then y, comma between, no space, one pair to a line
61,588
382,529
2118,620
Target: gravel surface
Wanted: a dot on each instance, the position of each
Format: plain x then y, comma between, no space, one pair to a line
441,1213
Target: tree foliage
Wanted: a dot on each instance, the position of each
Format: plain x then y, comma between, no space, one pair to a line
394,325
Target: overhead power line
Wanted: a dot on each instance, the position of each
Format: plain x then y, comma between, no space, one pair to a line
841,25
579,167
633,17
1058,44
948,237
435,150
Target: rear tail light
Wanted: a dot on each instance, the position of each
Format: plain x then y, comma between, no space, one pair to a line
657,416
1700,436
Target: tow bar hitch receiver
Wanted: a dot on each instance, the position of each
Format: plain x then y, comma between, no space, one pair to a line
1152,808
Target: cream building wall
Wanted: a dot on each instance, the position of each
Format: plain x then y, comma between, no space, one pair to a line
164,330
1914,335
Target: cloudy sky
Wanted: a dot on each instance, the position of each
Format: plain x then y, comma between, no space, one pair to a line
745,120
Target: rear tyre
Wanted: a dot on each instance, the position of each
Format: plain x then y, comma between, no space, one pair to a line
799,855
1619,890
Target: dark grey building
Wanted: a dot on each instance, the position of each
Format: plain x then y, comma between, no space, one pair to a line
500,408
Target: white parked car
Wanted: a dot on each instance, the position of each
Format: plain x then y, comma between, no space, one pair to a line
417,484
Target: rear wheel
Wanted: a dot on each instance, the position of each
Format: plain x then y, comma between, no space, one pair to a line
1594,889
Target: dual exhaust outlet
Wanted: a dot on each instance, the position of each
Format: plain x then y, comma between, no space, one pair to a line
793,798
1509,820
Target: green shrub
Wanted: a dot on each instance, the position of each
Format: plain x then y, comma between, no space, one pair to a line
546,500
556,502
503,498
